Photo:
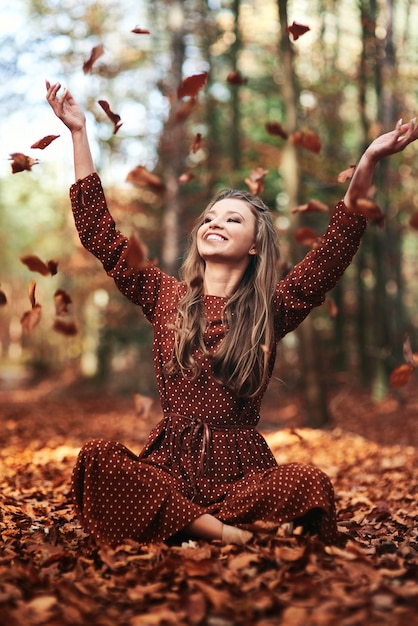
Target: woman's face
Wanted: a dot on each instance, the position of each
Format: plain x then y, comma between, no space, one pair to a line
228,233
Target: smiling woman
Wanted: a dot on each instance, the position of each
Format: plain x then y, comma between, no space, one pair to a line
205,470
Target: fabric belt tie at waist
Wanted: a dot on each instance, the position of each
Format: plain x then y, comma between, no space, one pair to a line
199,428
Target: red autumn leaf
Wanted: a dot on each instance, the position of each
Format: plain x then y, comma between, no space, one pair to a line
332,307
31,292
255,180
413,222
306,139
137,253
30,319
312,205
143,178
185,178
236,78
297,30
35,264
183,111
3,299
401,375
95,53
197,141
275,128
140,31
44,142
21,162
114,117
191,85
367,208
346,174
62,300
305,236
65,327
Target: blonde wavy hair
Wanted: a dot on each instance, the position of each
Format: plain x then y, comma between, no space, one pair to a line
241,363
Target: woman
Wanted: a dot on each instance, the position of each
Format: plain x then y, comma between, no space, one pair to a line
205,471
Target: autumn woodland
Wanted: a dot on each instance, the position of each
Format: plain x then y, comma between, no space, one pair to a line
183,98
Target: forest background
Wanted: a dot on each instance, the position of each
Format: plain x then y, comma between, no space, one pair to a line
349,77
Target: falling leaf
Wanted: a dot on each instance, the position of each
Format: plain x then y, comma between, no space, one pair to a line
305,236
21,162
255,181
140,31
401,375
3,299
297,30
35,264
185,178
183,111
44,142
62,300
114,117
332,307
275,128
236,78
312,205
143,178
367,208
346,174
65,327
197,141
96,52
306,139
137,253
413,222
191,85
31,292
30,319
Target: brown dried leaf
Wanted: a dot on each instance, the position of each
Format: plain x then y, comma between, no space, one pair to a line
21,162
197,142
275,128
255,180
312,205
183,111
306,139
136,253
114,117
31,292
96,53
191,85
401,375
140,31
236,78
44,142
413,222
297,30
305,236
185,178
143,178
30,319
62,301
65,327
346,174
35,264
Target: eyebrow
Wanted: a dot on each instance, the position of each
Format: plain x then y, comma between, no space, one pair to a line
227,212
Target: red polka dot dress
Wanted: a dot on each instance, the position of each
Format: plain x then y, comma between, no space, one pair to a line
205,455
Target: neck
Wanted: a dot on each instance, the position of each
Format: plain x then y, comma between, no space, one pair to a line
221,281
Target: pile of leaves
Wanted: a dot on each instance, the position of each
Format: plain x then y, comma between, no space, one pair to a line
52,573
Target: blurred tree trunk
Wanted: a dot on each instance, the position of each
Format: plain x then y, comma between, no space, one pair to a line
172,150
235,143
310,353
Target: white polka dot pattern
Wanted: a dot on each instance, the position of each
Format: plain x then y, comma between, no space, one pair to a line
205,455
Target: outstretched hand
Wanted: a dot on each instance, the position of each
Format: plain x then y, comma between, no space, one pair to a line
394,141
65,107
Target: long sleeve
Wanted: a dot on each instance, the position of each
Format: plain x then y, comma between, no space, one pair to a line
306,285
99,235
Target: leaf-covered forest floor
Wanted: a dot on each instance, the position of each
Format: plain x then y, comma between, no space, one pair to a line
52,573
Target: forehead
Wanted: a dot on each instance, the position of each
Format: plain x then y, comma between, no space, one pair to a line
232,205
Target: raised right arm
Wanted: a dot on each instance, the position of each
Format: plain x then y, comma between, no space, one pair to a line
69,112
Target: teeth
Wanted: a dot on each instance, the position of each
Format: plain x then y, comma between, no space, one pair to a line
215,237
